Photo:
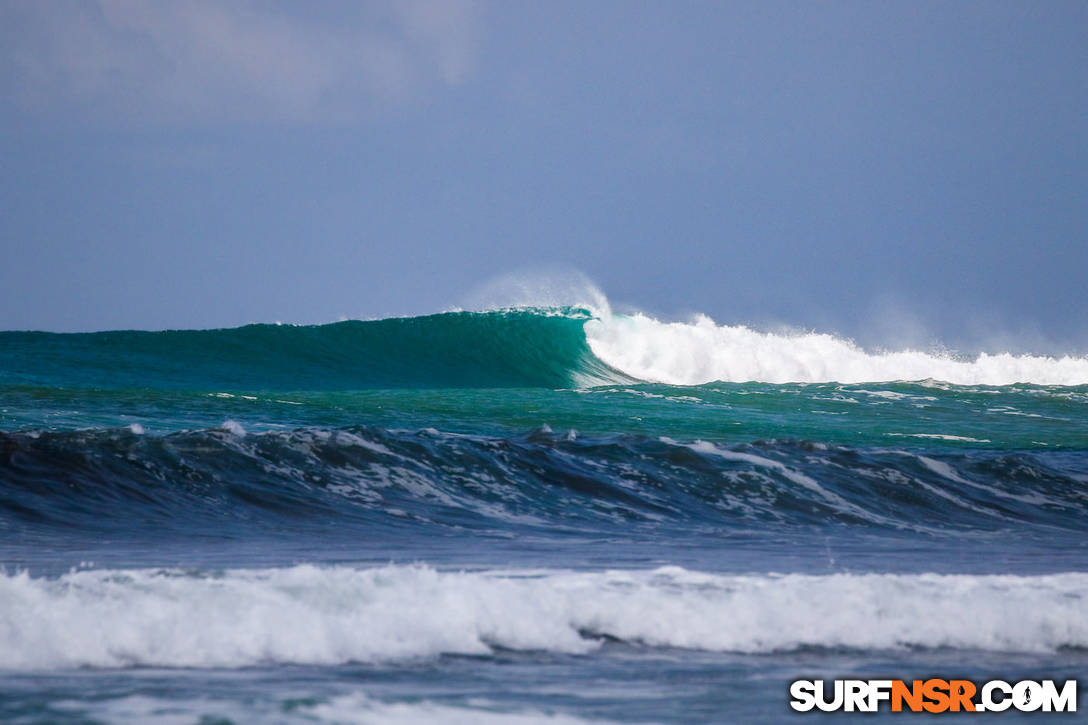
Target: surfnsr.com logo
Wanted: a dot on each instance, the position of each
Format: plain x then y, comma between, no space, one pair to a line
933,695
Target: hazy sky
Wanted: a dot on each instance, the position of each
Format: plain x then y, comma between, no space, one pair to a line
898,171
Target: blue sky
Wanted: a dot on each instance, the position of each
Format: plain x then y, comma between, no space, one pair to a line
899,172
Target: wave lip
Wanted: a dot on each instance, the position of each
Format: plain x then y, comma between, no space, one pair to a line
702,351
317,615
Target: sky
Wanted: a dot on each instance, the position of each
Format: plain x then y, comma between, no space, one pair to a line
904,173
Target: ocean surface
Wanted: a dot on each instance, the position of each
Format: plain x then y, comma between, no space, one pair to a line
555,515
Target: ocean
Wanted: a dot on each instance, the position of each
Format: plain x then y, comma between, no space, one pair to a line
527,515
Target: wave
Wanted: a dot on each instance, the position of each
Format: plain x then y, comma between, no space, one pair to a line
552,347
701,351
329,615
540,347
123,481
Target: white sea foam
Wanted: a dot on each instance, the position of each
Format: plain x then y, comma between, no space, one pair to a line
325,615
352,707
701,351
358,708
940,437
233,427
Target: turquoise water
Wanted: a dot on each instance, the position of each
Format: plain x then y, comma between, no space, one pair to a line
525,515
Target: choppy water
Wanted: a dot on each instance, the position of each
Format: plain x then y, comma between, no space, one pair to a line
550,515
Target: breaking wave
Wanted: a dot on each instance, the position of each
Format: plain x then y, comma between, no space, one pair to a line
327,615
517,347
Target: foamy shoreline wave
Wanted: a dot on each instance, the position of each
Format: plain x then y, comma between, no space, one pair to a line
330,615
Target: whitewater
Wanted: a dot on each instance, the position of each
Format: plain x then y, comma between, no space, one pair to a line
326,616
701,351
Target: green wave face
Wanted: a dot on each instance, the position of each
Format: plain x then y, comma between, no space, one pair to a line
512,348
